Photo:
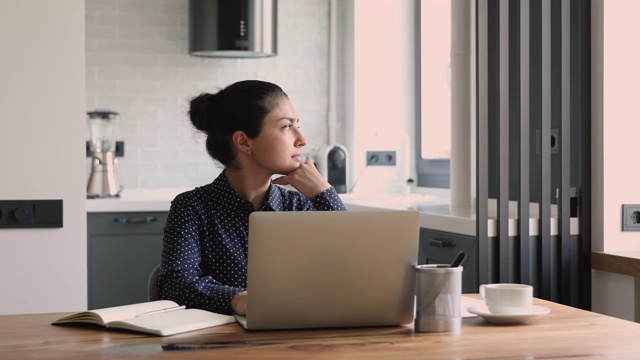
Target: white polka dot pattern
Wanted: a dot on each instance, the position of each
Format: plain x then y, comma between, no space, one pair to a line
204,254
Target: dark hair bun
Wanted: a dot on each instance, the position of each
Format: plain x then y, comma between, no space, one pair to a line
200,111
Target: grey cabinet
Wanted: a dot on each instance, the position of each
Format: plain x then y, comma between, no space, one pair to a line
122,249
439,247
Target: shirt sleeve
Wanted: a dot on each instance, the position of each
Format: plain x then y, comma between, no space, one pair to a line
181,278
328,200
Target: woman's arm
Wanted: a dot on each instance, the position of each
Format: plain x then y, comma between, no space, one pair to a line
181,278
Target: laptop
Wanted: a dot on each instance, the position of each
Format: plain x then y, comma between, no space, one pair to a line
320,269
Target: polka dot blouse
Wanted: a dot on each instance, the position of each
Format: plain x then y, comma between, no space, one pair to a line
204,253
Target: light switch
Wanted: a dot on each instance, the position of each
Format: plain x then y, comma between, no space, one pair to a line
30,214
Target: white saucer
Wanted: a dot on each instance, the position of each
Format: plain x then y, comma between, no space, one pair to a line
532,312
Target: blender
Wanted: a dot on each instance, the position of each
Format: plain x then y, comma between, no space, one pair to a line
102,180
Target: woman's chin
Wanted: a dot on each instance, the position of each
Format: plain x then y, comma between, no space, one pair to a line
287,170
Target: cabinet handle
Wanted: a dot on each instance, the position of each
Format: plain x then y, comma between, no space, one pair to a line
136,220
441,243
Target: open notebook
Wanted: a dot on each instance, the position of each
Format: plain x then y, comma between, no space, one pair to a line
331,269
161,318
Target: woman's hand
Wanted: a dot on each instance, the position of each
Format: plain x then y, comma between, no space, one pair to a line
239,303
306,179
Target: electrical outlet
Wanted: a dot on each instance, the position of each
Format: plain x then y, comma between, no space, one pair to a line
630,217
555,141
381,158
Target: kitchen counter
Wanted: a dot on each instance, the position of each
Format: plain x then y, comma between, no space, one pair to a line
435,211
437,214
132,200
144,199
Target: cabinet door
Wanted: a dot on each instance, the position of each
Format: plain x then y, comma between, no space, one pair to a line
123,249
438,247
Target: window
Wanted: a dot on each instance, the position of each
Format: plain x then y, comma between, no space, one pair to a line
436,24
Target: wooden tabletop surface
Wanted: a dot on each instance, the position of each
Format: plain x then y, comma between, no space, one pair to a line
564,333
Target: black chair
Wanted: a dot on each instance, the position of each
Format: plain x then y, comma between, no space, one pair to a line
153,289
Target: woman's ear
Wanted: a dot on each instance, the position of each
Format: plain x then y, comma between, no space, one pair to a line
241,142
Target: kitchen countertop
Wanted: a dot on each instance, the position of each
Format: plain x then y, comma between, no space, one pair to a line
135,200
435,211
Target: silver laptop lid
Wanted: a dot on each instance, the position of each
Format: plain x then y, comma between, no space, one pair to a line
331,269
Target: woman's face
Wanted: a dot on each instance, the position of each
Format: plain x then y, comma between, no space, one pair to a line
278,146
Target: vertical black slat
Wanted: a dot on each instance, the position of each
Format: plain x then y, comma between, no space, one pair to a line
581,166
545,151
535,119
564,216
583,115
503,192
493,114
535,264
577,154
576,263
514,136
482,140
524,194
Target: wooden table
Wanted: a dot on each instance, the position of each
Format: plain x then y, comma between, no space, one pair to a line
565,333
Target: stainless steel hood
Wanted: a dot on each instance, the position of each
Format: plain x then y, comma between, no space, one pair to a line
233,28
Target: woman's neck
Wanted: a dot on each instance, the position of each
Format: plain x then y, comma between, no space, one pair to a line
251,187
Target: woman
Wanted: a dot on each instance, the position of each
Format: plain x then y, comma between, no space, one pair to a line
252,129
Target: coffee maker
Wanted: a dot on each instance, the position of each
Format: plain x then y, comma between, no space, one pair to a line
102,180
332,162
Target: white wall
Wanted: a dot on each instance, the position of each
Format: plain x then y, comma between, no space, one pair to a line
617,126
42,143
138,65
615,129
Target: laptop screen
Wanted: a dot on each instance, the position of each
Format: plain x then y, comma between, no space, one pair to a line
331,269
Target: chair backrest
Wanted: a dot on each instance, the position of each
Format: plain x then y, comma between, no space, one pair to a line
153,289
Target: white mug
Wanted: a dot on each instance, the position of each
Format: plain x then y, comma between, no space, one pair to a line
507,298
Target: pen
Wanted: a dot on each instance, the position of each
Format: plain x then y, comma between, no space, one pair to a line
173,308
219,345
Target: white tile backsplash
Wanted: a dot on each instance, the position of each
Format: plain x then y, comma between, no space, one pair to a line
138,65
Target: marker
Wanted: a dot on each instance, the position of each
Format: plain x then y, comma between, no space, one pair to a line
458,260
174,308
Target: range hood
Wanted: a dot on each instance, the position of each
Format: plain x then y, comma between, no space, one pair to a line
233,28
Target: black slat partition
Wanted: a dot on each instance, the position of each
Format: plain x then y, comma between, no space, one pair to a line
565,157
532,146
547,253
581,200
524,193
